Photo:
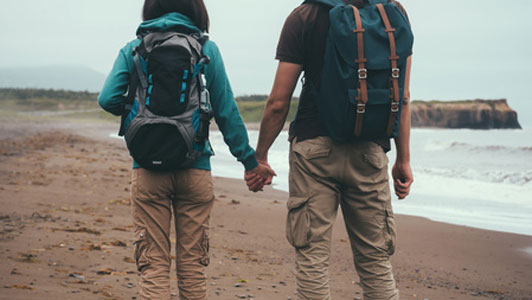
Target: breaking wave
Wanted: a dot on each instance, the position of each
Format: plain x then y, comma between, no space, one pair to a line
518,178
457,146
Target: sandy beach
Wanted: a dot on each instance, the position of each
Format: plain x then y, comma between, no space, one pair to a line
65,231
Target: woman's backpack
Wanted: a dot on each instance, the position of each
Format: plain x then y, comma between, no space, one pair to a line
363,80
167,111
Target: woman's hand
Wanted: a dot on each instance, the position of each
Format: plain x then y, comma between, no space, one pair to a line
262,175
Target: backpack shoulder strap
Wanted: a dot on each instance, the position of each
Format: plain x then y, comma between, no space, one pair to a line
362,95
395,69
130,98
201,37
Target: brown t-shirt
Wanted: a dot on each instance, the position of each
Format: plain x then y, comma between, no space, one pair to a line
303,42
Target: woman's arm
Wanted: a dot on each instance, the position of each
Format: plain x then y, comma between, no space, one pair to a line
113,92
226,112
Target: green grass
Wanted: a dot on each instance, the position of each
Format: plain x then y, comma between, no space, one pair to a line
45,104
253,111
252,107
13,101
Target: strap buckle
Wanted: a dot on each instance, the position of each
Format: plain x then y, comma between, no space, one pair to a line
362,73
395,72
361,108
395,107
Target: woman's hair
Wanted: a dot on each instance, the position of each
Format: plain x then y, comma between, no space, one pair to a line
194,9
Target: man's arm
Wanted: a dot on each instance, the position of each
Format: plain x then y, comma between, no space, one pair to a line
402,172
277,107
274,116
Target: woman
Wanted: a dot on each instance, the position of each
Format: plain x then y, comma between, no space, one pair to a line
187,193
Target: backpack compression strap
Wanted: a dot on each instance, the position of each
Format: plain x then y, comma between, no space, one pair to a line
395,70
129,100
362,95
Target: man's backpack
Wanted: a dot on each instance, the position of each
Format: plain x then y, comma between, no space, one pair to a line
362,87
167,110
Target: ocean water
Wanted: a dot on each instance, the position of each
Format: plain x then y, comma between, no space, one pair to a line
477,178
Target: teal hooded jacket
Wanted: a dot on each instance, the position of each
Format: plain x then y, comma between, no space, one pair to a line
226,112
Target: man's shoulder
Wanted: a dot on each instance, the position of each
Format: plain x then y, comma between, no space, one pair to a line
309,10
401,8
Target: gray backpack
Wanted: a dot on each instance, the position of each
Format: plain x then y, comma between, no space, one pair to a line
167,111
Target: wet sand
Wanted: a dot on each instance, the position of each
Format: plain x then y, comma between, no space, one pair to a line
65,232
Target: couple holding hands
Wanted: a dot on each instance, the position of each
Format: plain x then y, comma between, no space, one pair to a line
324,174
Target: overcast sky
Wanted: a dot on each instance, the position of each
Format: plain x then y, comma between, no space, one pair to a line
464,48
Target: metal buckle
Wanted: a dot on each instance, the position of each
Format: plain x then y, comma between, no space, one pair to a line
362,73
395,72
361,108
395,107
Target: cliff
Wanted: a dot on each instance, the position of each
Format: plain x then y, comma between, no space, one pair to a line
474,114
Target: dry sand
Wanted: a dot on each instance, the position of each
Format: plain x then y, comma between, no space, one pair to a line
65,232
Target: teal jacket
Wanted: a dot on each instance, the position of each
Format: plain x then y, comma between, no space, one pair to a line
226,112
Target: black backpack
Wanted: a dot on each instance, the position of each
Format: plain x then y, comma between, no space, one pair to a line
167,111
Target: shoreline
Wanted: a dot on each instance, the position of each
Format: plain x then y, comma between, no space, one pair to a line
101,129
69,232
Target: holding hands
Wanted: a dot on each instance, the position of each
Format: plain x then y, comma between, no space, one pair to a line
257,178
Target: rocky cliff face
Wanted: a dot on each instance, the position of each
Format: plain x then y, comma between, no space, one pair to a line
474,114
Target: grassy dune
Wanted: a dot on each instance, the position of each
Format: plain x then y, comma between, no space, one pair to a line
252,107
83,105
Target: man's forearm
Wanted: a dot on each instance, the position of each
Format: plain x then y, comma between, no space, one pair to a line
277,107
402,141
272,123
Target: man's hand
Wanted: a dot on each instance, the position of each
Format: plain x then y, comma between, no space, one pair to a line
402,179
260,176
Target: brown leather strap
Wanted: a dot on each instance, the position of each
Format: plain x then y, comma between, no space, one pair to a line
395,70
362,95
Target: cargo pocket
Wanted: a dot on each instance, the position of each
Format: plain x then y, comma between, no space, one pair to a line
376,160
312,149
141,247
390,234
205,246
298,222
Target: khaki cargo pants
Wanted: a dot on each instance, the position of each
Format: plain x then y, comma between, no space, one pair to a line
323,176
188,195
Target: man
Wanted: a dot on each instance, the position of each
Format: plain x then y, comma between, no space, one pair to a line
325,174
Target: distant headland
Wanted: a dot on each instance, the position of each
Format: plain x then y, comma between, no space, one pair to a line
472,114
